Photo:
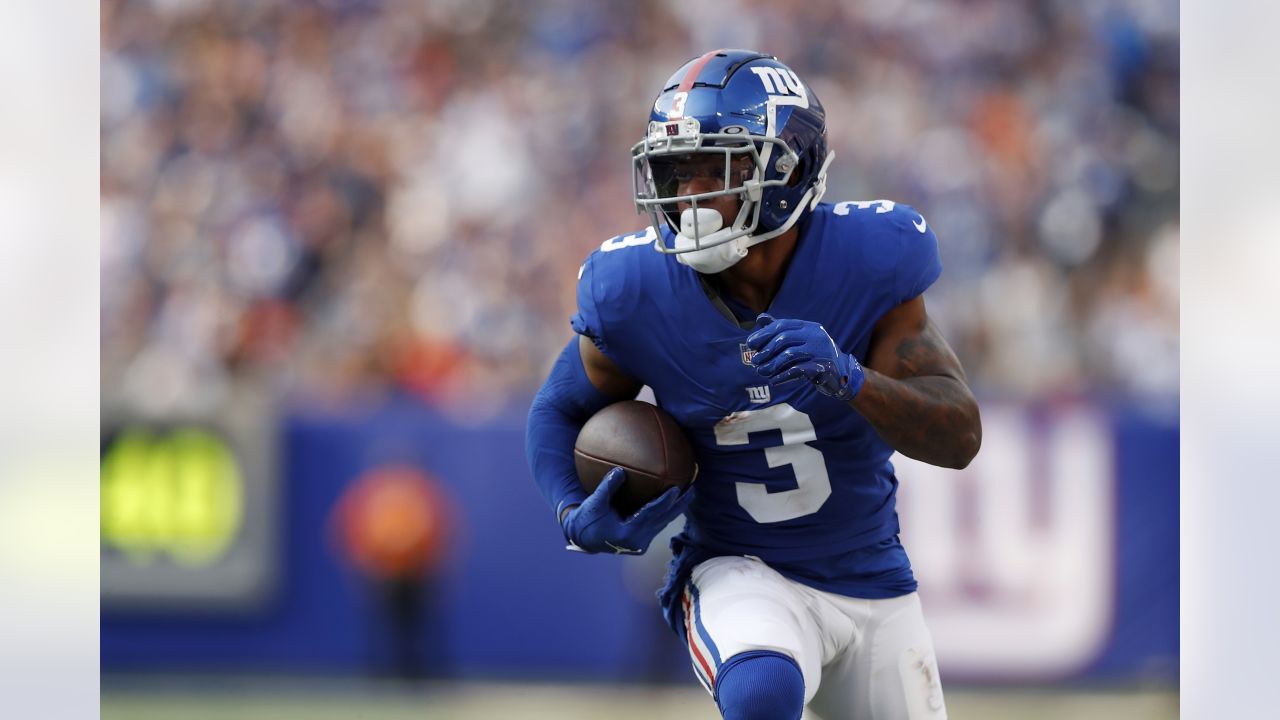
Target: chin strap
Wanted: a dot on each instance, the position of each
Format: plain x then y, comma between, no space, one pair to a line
808,201
820,184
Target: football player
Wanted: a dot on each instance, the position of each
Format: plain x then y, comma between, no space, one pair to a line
789,338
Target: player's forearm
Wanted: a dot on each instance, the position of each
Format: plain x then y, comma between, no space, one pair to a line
931,418
549,450
558,412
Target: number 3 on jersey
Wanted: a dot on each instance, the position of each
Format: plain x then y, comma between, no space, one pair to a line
813,485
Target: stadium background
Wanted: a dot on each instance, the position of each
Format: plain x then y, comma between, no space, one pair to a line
339,237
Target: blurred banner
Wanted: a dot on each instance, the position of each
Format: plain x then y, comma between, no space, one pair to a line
1053,556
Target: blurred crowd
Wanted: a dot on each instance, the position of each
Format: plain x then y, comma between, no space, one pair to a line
333,198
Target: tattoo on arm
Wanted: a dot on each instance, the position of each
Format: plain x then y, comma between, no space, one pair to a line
919,402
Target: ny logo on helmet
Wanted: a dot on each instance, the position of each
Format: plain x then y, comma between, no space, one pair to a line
780,81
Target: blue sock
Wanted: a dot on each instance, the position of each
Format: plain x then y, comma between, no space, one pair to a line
760,685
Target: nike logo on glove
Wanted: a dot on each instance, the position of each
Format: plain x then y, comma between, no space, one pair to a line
919,225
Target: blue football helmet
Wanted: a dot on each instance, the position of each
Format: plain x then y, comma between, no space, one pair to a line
754,113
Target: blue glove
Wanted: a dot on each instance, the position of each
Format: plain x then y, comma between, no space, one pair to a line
787,350
594,526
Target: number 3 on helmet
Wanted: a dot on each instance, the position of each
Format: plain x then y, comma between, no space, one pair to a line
734,105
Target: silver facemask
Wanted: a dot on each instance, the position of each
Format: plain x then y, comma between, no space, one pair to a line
720,247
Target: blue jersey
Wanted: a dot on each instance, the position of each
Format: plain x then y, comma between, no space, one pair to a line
786,474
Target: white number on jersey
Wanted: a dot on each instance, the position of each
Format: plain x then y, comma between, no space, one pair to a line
644,237
881,206
813,485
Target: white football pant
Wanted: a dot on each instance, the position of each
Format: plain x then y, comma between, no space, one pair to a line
861,659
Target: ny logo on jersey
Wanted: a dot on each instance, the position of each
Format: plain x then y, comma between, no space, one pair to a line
758,394
779,81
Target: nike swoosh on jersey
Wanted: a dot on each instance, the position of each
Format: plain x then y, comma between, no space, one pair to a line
920,225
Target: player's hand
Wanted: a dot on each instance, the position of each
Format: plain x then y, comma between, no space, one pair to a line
787,350
594,526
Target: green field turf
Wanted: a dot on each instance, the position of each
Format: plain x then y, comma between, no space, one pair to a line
227,699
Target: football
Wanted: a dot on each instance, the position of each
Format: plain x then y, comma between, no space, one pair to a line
642,439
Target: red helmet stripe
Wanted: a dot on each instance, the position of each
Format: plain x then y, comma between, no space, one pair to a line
695,70
682,92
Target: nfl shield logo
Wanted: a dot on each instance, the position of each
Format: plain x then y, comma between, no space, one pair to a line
747,353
